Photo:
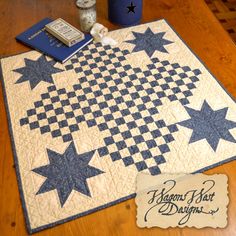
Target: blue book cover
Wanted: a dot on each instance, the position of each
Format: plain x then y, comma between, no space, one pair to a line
38,38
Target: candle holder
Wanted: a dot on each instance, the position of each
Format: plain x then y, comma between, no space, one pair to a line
87,14
125,12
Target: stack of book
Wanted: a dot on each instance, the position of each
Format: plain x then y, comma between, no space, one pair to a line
40,39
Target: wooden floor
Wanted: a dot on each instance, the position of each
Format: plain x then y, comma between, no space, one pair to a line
225,12
196,24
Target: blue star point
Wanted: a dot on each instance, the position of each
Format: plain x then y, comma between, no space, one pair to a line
149,42
66,172
209,124
37,71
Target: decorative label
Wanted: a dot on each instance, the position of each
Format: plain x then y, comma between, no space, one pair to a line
179,200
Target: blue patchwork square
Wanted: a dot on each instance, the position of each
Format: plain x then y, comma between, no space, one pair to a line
38,104
91,123
168,138
61,91
109,140
120,121
69,114
131,125
156,133
138,139
141,165
52,88
31,112
130,103
102,105
63,123
125,112
148,119
151,143
143,129
114,131
121,145
45,96
103,126
128,161
65,102
114,108
80,119
133,149
146,154
97,114
86,110
176,90
67,138
172,97
160,123
119,100
34,125
157,102
126,134
52,119
59,111
159,159
191,86
56,133
115,156
154,170
103,151
75,106
41,116
184,101
172,128
48,107
164,148
45,129
24,121
108,117
187,93
55,99
136,116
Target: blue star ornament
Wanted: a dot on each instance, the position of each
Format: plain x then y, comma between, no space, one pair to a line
149,42
37,71
66,172
209,124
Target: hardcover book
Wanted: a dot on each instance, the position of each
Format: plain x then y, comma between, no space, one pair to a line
38,38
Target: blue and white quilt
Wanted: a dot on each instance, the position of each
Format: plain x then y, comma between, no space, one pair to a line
82,130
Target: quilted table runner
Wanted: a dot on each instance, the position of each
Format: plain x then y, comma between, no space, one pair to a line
81,131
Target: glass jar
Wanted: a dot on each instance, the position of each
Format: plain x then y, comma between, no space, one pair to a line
87,14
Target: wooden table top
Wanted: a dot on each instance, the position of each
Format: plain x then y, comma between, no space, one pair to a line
200,30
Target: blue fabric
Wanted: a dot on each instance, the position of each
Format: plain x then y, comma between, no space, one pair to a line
209,124
66,172
150,42
37,71
125,12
